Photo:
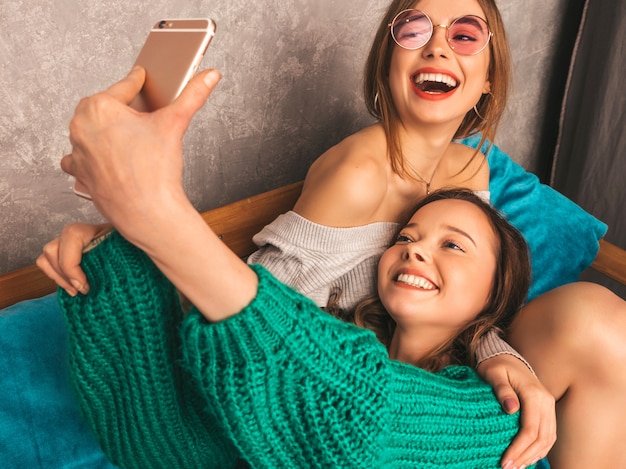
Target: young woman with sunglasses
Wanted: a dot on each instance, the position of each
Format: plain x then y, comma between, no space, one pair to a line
259,376
440,70
444,78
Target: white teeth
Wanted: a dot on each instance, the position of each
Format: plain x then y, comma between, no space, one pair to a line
415,281
436,77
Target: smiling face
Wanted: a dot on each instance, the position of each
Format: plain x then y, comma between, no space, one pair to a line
434,84
440,273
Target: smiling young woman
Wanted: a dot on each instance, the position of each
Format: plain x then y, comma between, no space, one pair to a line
362,190
379,173
456,257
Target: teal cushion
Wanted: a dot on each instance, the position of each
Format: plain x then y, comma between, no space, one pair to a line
40,422
543,464
562,237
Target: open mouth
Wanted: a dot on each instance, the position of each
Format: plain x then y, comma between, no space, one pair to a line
435,83
415,281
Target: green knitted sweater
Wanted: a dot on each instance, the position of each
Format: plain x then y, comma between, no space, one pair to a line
280,385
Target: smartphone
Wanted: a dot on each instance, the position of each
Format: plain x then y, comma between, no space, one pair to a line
171,55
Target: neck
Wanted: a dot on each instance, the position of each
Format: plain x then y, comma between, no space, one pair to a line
424,151
413,347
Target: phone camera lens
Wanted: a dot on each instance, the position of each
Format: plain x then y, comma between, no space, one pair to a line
162,24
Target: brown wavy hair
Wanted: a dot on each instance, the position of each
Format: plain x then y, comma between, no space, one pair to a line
510,287
491,106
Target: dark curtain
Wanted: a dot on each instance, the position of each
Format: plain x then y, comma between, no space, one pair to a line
590,158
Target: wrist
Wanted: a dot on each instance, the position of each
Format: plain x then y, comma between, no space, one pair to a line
154,221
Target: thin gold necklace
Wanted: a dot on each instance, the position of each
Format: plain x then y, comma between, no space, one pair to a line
427,182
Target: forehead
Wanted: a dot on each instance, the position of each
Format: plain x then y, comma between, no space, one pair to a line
441,10
459,214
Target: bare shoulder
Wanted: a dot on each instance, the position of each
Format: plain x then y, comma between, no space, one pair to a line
467,167
346,185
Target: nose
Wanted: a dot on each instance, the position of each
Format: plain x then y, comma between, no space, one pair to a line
416,251
437,45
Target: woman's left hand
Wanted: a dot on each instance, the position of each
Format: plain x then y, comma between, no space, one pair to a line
512,383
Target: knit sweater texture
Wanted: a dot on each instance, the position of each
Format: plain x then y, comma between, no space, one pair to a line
281,384
318,260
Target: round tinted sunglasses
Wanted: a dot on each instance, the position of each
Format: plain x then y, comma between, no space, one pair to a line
467,35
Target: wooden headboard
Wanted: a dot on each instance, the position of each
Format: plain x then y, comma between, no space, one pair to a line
235,224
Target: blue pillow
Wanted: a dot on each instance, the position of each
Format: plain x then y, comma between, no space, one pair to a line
40,422
562,237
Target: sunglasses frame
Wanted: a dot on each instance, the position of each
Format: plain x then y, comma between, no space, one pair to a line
432,31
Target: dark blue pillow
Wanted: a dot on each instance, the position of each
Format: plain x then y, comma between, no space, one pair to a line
562,237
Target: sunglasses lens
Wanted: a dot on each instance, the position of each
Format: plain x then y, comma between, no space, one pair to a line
411,29
468,35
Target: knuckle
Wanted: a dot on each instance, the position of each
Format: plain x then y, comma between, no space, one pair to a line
82,103
67,231
71,230
74,128
96,104
49,249
99,102
41,261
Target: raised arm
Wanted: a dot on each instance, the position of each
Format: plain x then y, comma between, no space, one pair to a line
131,163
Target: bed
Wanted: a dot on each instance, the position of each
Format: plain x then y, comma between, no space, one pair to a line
236,223
41,424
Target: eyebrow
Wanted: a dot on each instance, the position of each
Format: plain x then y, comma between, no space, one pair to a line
454,229
451,228
470,19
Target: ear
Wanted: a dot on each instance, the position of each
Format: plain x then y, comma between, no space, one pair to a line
487,87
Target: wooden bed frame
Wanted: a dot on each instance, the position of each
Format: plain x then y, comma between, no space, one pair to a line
236,223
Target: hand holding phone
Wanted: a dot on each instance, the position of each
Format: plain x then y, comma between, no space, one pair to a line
171,55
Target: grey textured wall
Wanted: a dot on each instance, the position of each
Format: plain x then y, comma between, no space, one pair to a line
291,88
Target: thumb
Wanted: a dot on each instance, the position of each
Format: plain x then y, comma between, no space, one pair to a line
508,398
128,87
193,97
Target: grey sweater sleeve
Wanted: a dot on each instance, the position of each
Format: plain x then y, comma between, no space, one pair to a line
492,345
319,260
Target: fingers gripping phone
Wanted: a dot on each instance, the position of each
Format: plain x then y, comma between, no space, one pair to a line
171,55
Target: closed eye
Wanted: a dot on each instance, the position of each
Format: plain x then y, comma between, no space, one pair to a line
463,38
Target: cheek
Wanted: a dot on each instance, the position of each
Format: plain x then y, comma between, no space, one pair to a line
394,62
486,85
399,69
484,288
385,265
382,267
476,72
476,285
487,292
471,301
386,299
